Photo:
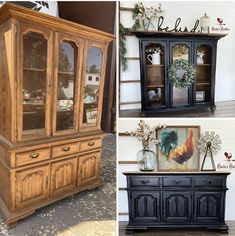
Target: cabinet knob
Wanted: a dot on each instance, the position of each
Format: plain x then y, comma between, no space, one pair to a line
209,181
66,148
91,144
34,155
144,181
176,181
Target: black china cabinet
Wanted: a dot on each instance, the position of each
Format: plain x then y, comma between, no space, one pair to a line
157,52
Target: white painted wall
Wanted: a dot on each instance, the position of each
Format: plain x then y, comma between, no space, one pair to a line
128,147
189,12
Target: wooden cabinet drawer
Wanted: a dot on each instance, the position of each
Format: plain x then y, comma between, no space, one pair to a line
144,181
176,181
209,181
25,158
65,149
90,144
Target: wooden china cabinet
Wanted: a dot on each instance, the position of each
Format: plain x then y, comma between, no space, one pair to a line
157,92
51,90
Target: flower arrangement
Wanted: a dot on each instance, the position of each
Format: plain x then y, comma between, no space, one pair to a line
145,133
144,17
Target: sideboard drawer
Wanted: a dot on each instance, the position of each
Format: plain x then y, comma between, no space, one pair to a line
213,181
65,149
90,144
144,181
25,158
176,181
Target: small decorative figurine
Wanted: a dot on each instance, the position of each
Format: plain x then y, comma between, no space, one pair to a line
155,95
200,56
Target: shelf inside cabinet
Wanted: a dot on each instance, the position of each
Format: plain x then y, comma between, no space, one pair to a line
155,86
201,65
66,73
202,83
153,66
34,69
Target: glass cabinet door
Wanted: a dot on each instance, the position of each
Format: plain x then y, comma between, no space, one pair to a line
155,86
204,73
180,96
66,84
34,86
93,84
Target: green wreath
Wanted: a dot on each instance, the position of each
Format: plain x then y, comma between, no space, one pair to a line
188,77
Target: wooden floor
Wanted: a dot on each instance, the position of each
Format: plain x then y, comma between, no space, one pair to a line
223,109
231,225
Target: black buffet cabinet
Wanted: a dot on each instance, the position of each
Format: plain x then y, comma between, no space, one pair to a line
176,200
157,51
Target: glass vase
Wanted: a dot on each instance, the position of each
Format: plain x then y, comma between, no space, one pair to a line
146,159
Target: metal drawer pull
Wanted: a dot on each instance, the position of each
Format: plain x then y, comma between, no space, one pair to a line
91,144
209,181
176,181
144,181
66,148
34,155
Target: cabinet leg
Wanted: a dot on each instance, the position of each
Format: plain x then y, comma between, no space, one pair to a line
11,224
213,108
142,114
129,231
224,231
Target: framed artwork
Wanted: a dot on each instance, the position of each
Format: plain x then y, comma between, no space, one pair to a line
177,150
200,96
91,115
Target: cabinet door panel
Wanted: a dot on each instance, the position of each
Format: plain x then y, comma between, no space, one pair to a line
177,206
88,167
145,206
180,96
34,84
205,54
67,81
31,186
208,206
93,85
154,84
63,175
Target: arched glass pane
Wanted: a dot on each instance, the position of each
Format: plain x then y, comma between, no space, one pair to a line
34,82
203,82
92,83
181,51
155,69
66,86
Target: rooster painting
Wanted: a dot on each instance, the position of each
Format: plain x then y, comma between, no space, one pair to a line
177,147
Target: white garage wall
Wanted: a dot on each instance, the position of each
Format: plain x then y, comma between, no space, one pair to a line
189,12
128,147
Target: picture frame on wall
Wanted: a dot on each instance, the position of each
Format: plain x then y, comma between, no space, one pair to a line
177,150
200,96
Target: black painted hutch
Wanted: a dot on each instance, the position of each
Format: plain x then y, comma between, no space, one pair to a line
189,200
157,92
